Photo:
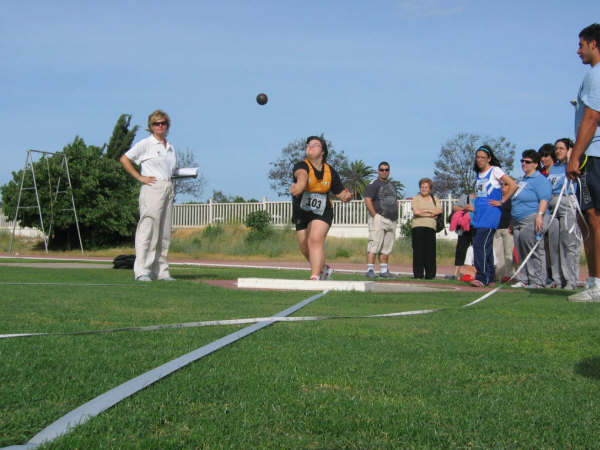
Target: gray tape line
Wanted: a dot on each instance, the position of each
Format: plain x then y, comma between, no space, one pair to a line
115,395
208,323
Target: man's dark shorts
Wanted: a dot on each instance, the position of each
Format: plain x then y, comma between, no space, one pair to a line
589,184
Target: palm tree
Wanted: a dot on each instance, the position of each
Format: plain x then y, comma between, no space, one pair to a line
399,187
356,177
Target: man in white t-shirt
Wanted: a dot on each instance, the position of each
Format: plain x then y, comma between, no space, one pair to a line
157,159
587,119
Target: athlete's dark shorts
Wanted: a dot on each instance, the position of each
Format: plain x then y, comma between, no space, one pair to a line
589,184
302,218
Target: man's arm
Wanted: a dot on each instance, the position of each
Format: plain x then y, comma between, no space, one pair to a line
587,130
370,207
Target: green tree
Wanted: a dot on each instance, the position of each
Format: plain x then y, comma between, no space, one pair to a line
122,137
454,172
220,197
105,198
356,177
280,174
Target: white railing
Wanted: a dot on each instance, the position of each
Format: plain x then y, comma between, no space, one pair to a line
7,226
194,215
349,216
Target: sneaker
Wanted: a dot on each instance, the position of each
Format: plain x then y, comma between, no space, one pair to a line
518,284
370,273
588,295
314,278
167,278
143,278
551,285
505,279
476,283
533,286
570,287
326,273
387,274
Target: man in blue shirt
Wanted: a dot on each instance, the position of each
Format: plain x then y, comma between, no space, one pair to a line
587,118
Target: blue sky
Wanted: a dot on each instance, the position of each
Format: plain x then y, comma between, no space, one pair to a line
383,80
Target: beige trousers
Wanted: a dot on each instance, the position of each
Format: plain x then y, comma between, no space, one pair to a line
503,250
153,234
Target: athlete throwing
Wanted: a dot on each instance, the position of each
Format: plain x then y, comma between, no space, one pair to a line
312,209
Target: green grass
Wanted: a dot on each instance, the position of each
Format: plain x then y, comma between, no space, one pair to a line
521,369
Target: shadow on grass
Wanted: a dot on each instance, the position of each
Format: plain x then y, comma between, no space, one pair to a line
198,276
589,367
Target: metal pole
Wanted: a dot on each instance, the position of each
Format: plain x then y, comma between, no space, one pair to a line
18,204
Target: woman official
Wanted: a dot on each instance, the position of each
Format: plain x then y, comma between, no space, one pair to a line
564,240
157,159
312,209
425,208
489,199
530,215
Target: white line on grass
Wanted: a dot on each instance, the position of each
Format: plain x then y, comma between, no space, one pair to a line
208,323
110,398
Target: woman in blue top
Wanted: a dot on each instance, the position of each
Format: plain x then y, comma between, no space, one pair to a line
488,209
530,215
564,238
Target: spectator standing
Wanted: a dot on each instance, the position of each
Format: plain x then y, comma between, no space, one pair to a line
488,202
381,199
157,159
547,160
504,243
464,206
587,132
564,238
529,214
425,208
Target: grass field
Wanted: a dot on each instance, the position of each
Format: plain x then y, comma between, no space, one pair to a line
521,369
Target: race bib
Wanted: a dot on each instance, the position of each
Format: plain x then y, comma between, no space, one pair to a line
314,202
521,185
480,190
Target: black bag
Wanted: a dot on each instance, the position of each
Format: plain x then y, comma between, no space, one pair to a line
439,221
123,262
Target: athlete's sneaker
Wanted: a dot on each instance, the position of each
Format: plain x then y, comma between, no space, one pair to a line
477,283
370,273
314,278
570,287
386,274
588,295
326,273
143,278
518,284
167,278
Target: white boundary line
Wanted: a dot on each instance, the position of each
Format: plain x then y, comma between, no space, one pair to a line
110,398
208,323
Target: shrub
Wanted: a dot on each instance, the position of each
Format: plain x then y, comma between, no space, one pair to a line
259,223
258,220
212,231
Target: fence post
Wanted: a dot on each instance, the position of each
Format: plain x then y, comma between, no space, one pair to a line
210,211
